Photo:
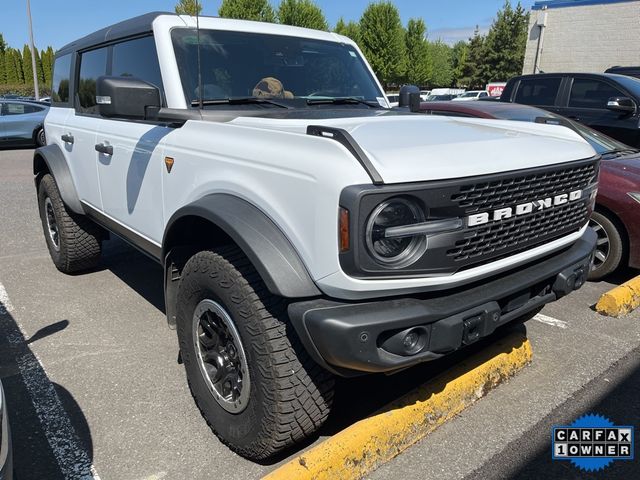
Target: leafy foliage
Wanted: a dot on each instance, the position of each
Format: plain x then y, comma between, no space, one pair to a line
419,60
351,29
382,41
258,10
189,7
302,13
506,43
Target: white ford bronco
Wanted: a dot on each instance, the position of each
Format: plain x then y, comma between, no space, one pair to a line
306,229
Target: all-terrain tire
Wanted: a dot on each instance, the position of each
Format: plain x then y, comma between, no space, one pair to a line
76,244
290,395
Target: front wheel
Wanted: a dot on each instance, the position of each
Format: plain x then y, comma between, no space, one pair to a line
250,376
609,246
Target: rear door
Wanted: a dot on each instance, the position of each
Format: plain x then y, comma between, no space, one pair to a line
3,137
543,92
587,103
82,125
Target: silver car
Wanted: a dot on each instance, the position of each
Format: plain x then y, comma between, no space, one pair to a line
6,463
22,123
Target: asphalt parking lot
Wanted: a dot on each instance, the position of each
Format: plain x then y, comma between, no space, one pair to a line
94,387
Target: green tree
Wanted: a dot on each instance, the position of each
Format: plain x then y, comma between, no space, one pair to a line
189,7
259,10
474,69
302,13
506,43
459,54
419,62
382,41
441,61
47,64
351,29
3,44
3,70
13,65
27,68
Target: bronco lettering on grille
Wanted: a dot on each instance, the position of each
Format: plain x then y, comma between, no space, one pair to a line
523,209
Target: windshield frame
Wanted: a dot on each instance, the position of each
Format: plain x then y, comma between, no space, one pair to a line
297,102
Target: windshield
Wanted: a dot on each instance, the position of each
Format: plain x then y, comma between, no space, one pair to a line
241,65
600,142
469,94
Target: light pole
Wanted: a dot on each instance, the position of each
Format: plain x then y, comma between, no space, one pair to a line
33,53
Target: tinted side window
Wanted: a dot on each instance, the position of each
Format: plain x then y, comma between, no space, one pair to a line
538,91
60,82
137,58
588,93
11,108
93,64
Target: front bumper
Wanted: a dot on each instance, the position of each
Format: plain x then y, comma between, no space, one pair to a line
349,338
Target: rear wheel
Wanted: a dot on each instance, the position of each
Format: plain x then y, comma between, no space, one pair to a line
250,376
74,241
609,246
40,137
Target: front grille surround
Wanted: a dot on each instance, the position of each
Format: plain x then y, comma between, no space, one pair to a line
450,252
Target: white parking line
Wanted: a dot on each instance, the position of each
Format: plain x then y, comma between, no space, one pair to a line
72,459
554,322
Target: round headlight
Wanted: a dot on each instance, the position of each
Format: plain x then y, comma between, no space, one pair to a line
395,252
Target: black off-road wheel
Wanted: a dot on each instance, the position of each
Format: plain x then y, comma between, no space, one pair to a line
74,241
254,383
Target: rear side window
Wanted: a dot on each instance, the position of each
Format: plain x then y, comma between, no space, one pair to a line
12,108
93,64
137,58
538,91
590,93
60,82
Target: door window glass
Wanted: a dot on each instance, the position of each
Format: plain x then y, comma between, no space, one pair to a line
538,91
137,58
93,64
60,83
590,93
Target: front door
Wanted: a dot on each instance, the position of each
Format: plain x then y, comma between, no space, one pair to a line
130,173
587,104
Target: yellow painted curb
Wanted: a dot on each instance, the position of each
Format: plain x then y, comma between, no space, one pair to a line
371,442
620,300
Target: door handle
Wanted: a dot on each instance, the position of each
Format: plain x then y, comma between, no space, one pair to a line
67,138
106,149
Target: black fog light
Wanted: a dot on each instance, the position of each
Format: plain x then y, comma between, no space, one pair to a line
407,342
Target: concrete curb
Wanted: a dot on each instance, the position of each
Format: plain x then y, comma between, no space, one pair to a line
621,300
371,442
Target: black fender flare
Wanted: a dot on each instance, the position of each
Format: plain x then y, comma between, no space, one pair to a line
57,165
266,246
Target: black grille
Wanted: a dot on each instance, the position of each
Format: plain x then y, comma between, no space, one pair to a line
525,188
489,240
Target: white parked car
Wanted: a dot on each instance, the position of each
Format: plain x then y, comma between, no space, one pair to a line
304,230
393,99
471,95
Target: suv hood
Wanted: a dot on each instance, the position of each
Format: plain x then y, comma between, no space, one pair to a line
410,148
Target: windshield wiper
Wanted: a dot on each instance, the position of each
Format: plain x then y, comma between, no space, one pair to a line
342,101
239,101
624,150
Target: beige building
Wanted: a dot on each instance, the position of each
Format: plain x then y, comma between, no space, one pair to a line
582,35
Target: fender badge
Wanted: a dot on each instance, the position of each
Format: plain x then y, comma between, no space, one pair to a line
169,161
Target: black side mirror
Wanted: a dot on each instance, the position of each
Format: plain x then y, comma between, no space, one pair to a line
621,104
127,97
410,97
